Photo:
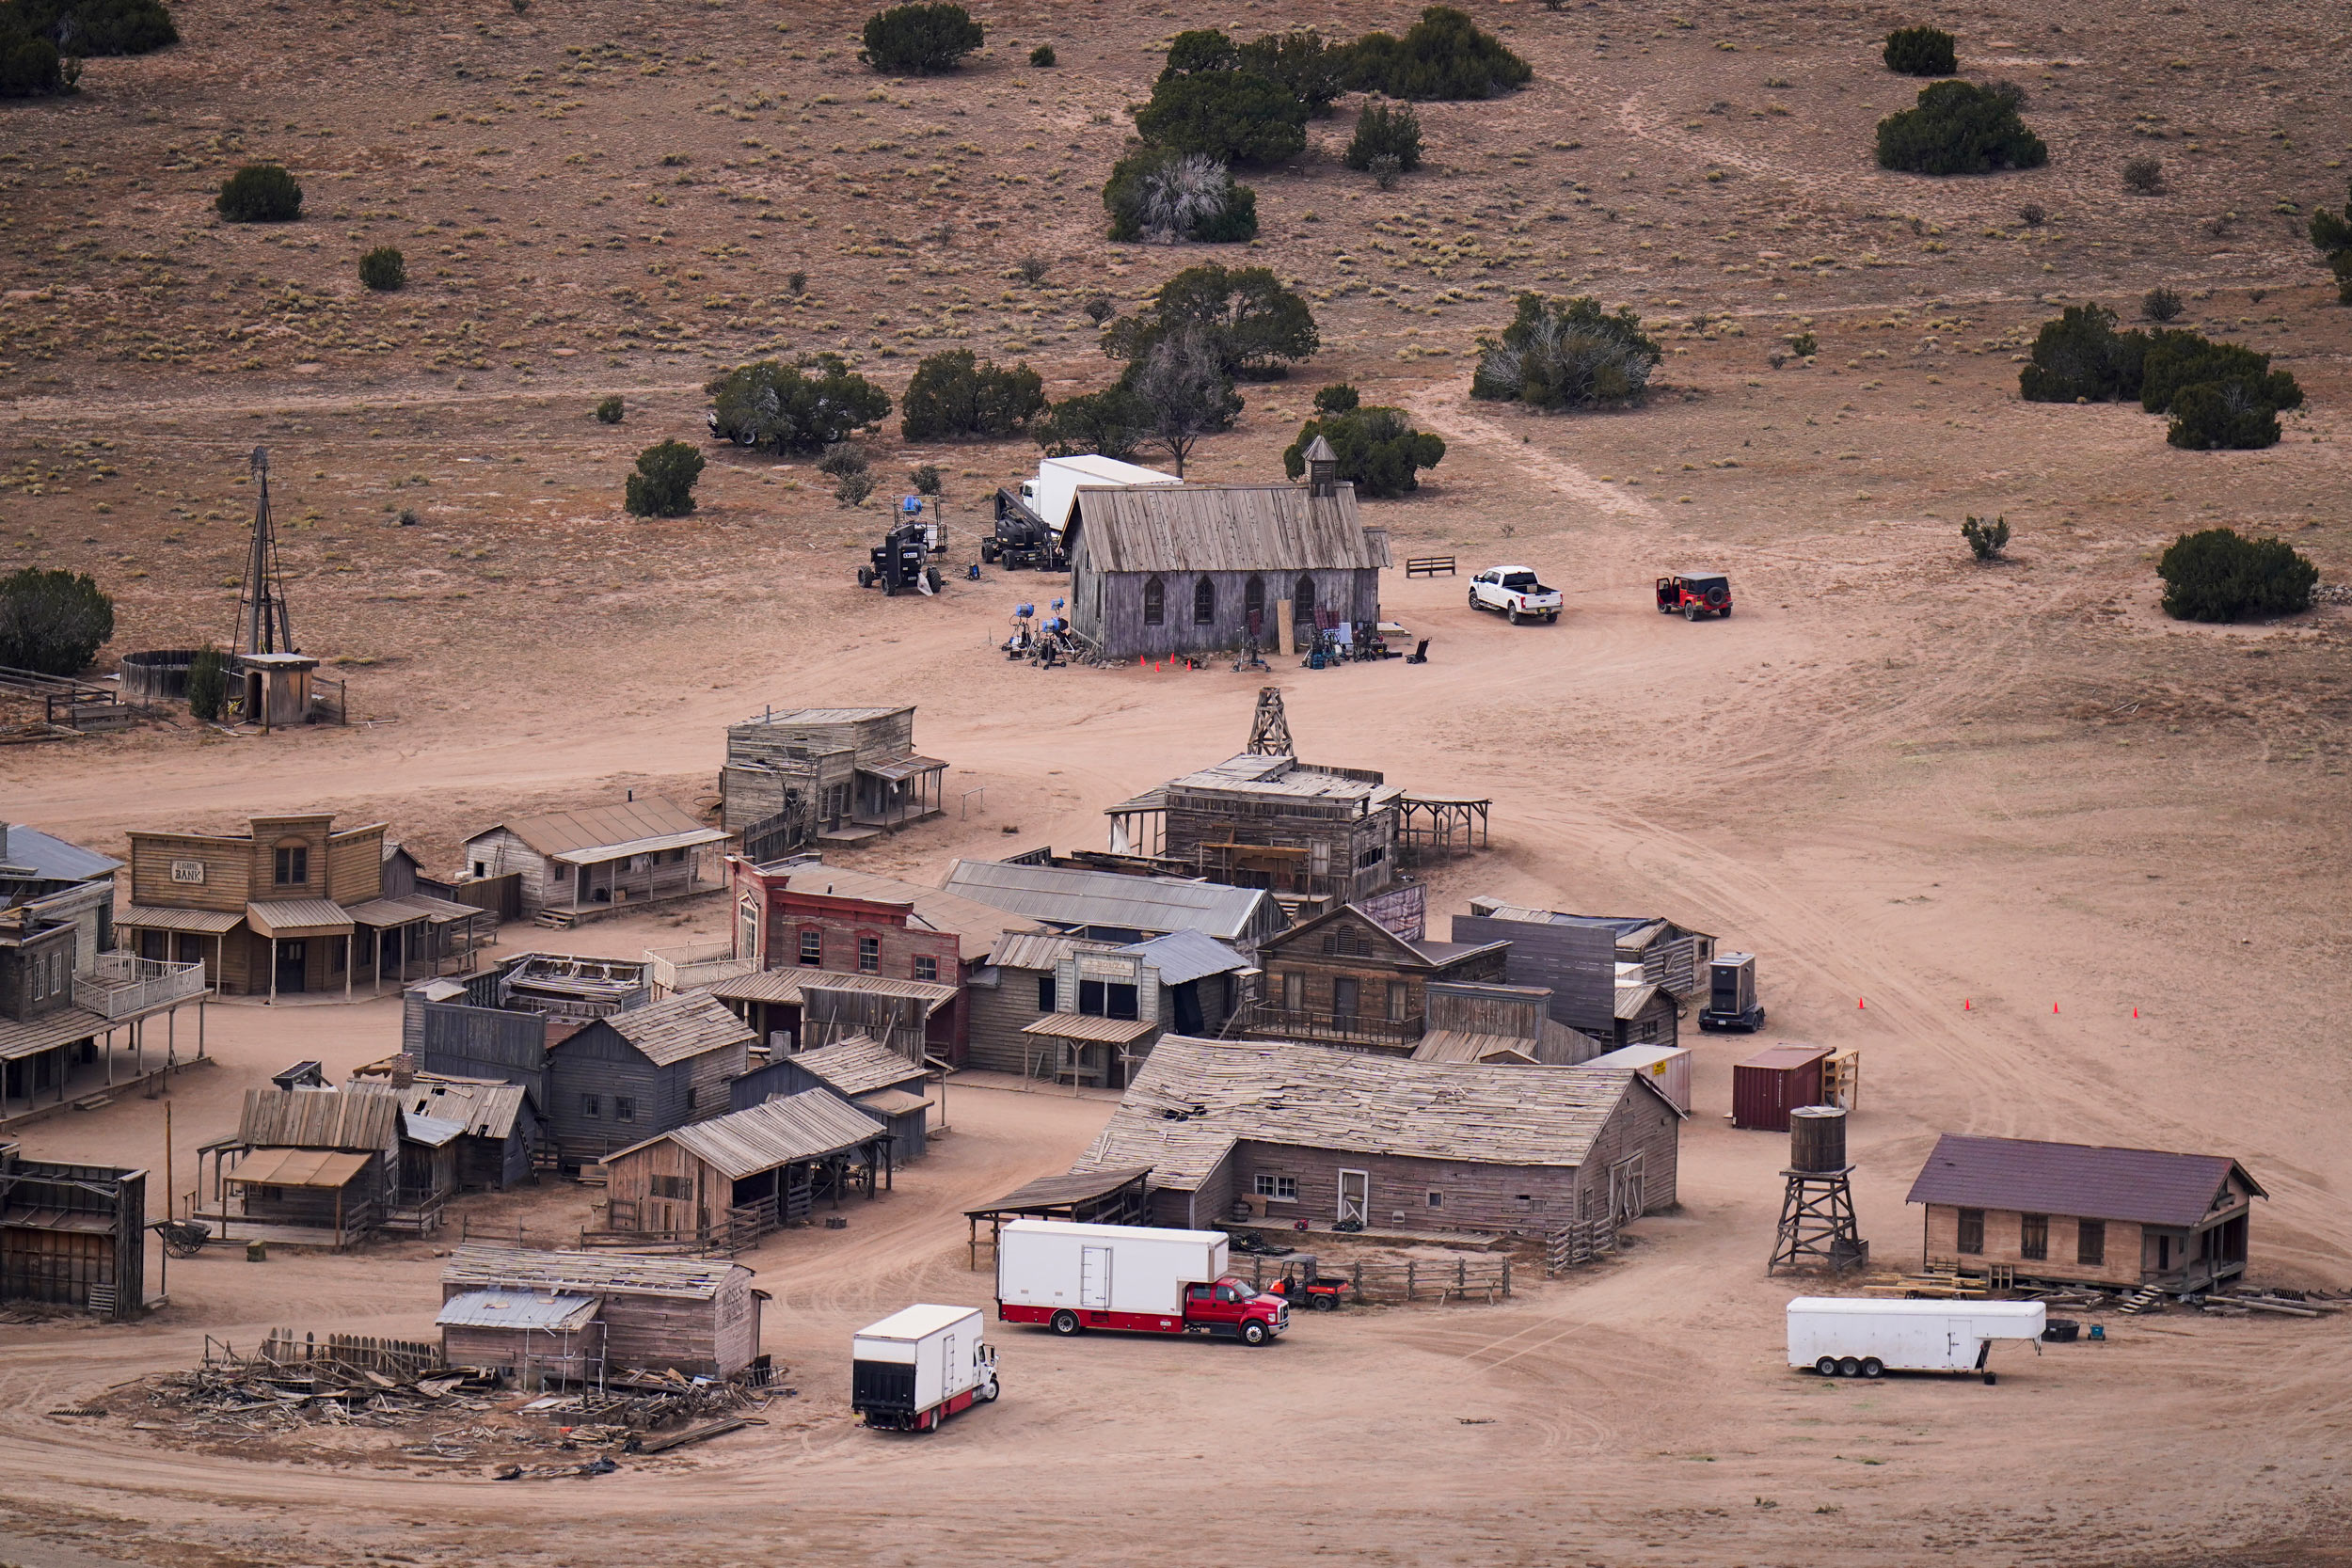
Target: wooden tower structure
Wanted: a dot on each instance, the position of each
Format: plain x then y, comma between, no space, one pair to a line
1817,1227
262,624
1269,729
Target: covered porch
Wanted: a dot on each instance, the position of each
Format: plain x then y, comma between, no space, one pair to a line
302,1197
646,870
890,795
85,1054
418,935
1086,1052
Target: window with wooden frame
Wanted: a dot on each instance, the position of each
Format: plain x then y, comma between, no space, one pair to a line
678,1188
925,967
1972,1231
592,1106
1399,992
1046,1002
1293,990
2033,1236
1280,1189
290,865
812,946
1436,1200
747,930
1205,603
2091,1242
1155,601
869,955
624,1108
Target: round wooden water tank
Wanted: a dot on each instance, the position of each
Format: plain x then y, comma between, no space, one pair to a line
1816,1139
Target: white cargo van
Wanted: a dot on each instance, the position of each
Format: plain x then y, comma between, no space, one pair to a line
1849,1336
920,1365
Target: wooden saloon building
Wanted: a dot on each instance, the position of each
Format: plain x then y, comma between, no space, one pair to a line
594,1313
1307,1133
2085,1214
1163,571
1274,822
1346,979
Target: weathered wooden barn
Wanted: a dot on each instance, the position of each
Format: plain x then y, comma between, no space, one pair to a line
293,904
1474,1021
1344,979
1114,907
2080,1213
321,1166
836,774
578,865
1669,956
1274,822
499,1131
73,1235
1162,571
1301,1132
699,1316
1062,1007
1595,989
860,1070
727,1181
625,1077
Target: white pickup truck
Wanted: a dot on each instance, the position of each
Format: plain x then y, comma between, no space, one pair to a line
1514,591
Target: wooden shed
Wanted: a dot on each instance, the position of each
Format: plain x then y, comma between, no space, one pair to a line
73,1235
499,1133
623,1077
579,863
727,1181
1157,571
860,1072
529,1337
321,1162
700,1316
1774,1082
2079,1213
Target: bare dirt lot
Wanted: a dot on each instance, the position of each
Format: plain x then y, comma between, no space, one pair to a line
1903,780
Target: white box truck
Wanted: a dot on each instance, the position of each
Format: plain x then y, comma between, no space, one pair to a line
1125,1276
1845,1337
920,1365
1033,524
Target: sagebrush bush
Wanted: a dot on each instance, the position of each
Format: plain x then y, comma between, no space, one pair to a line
2143,175
1960,128
1378,449
1566,354
803,407
1385,132
920,40
383,269
611,410
2223,415
1042,56
260,193
2220,575
1159,196
1920,52
844,457
663,484
957,396
1986,540
925,478
208,684
1236,116
52,622
1442,56
1804,345
2161,305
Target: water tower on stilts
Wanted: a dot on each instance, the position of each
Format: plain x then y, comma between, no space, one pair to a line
1816,1217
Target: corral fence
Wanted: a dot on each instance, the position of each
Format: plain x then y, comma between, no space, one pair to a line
1441,1279
357,1352
1586,1241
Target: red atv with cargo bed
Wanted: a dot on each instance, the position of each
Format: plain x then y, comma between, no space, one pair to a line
1695,593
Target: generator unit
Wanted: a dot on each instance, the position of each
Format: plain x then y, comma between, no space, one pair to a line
901,563
1731,994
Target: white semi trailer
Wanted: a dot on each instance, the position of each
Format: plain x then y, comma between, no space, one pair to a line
920,1365
1845,1337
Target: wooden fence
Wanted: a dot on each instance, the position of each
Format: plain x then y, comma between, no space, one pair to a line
1408,1279
1582,1243
357,1351
1429,566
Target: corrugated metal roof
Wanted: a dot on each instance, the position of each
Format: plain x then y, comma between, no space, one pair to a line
676,1027
1084,1027
805,1126
2144,1185
297,917
1788,1054
1639,1057
654,843
360,1116
149,917
555,831
1313,1096
1183,957
858,1064
55,859
432,1132
383,913
1224,527
1067,895
297,1168
516,1309
933,996
1057,1192
897,770
623,1274
942,910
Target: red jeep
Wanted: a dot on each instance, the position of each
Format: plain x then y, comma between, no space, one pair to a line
1695,593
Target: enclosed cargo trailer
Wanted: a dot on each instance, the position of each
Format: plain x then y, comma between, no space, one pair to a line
1126,1276
920,1365
1849,1337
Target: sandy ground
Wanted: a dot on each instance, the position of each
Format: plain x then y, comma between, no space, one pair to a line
1908,783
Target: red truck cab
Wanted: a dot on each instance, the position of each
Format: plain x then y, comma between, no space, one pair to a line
1228,1308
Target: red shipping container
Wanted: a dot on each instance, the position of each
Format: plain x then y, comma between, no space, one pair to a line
1774,1082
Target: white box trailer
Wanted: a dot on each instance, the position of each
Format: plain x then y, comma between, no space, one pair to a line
1128,1277
920,1365
1051,494
1846,1336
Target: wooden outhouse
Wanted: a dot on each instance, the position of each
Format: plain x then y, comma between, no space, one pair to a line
697,1316
2080,1213
622,1078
